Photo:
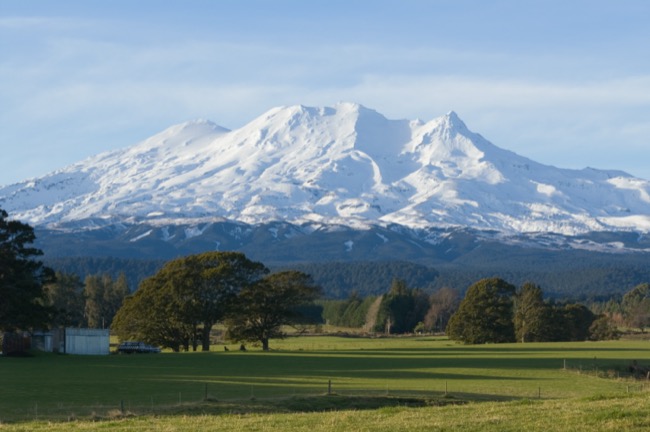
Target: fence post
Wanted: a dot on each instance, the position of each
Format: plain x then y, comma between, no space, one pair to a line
329,387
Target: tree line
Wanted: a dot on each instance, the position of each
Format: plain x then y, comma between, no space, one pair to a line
92,303
492,311
495,311
400,310
630,310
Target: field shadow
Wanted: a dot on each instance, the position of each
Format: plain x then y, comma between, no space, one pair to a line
330,402
403,360
312,403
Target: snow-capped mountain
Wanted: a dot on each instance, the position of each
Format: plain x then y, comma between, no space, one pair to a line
344,165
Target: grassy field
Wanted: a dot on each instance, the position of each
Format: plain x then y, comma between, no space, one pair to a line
376,384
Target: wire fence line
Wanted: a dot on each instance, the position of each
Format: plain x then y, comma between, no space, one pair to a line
634,375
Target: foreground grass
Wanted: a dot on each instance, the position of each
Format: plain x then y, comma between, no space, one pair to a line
617,413
282,389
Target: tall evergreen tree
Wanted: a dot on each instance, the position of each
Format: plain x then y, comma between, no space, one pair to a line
65,296
22,298
532,317
485,314
401,309
94,287
114,294
574,321
104,297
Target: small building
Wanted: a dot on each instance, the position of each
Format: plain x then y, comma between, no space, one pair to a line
87,341
48,341
14,343
72,340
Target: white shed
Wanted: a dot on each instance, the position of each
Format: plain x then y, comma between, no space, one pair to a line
87,341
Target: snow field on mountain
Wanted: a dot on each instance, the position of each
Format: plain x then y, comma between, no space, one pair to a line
345,164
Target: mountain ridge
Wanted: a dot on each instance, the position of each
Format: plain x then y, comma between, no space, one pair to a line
347,165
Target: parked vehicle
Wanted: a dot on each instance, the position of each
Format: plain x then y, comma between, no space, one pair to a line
136,348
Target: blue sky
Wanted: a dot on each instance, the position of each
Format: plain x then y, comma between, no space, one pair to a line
565,83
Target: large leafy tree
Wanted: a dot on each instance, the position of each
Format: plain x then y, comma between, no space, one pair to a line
485,314
213,281
193,292
156,313
279,299
22,299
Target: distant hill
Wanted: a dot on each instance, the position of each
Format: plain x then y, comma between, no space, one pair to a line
570,273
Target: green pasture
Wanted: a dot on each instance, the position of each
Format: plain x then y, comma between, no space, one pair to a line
618,414
381,374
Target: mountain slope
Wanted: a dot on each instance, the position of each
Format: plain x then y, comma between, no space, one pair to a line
345,165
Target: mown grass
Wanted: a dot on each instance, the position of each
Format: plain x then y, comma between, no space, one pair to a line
371,378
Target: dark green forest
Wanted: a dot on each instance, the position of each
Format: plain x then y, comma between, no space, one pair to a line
340,279
569,275
135,270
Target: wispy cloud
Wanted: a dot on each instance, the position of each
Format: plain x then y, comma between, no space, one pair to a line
80,81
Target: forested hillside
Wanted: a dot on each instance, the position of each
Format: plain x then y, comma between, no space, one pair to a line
337,279
135,270
575,274
562,274
340,279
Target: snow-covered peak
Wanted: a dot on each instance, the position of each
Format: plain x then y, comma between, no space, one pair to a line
452,121
345,164
189,130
